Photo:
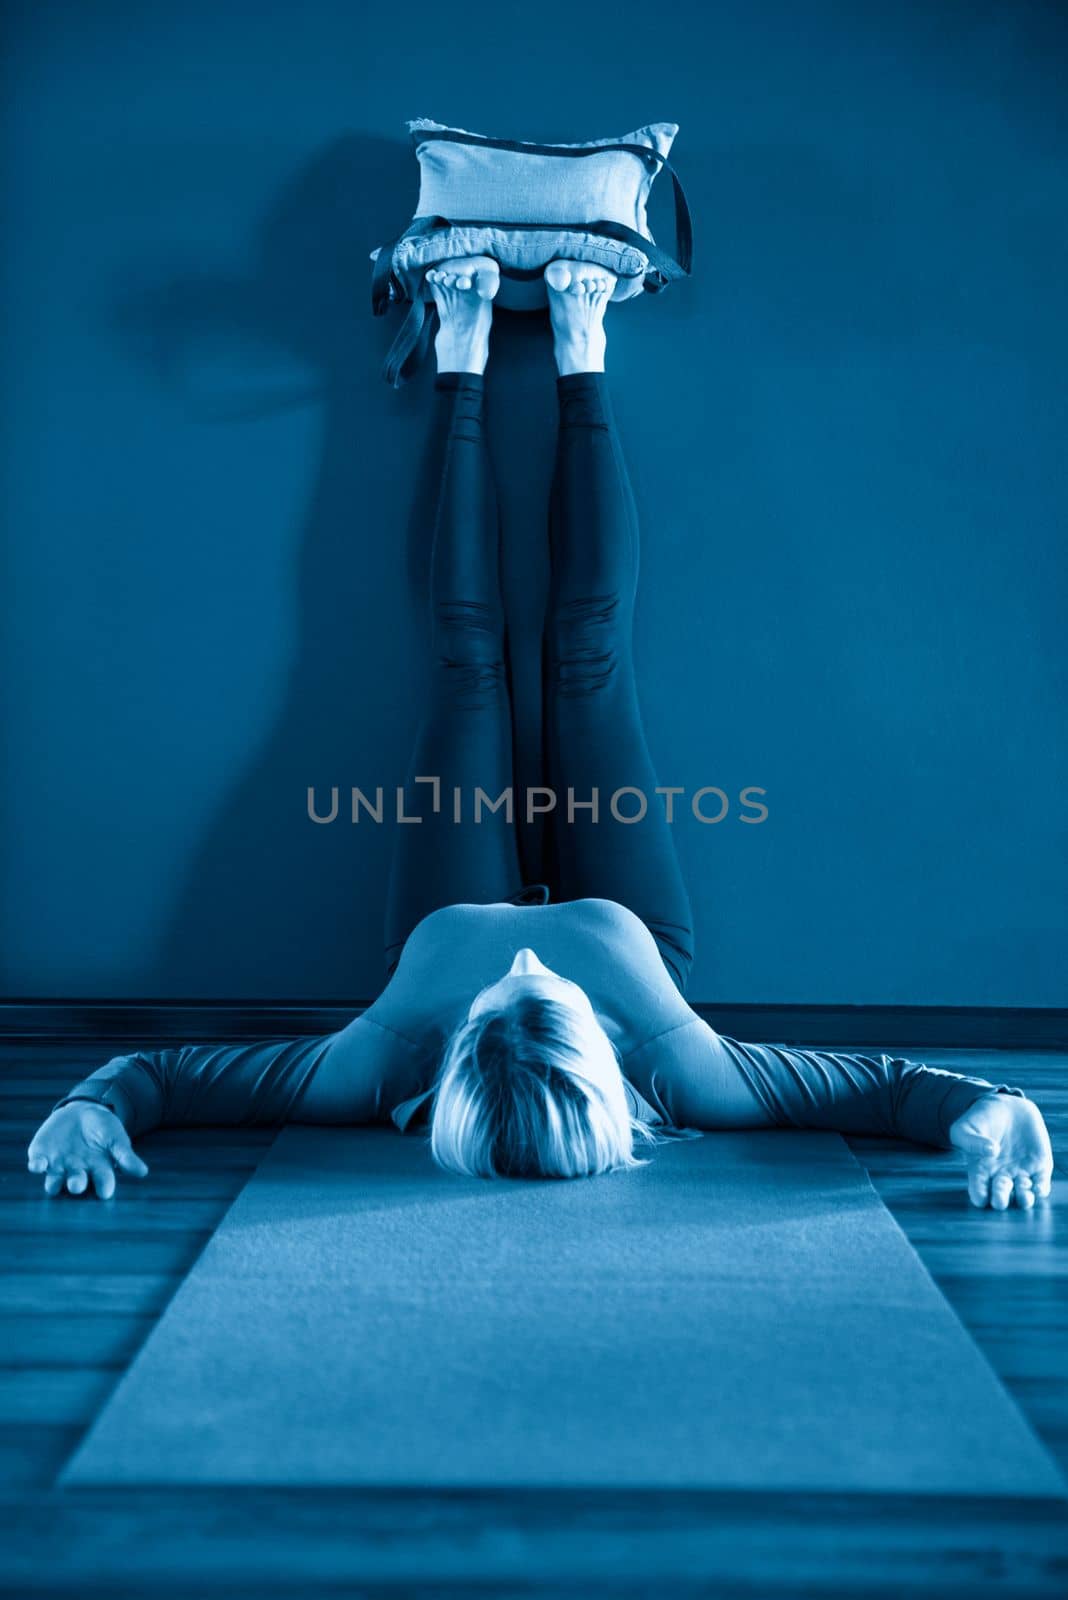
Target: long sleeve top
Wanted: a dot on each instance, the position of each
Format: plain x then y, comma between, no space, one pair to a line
678,1072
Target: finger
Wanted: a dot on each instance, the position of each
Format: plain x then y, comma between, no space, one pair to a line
103,1178
126,1157
978,1186
1001,1191
1042,1181
54,1182
1022,1192
37,1163
77,1181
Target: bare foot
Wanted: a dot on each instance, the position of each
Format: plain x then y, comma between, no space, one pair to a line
578,294
463,292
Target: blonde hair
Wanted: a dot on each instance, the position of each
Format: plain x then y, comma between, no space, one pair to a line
532,1090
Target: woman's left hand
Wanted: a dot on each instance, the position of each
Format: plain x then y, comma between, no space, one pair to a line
1006,1145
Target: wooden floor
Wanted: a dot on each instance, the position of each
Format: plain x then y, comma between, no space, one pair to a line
83,1283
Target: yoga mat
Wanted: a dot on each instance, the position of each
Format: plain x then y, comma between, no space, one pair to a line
741,1313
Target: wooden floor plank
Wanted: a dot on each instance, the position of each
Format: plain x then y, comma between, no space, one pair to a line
74,1336
145,1252
55,1396
56,1294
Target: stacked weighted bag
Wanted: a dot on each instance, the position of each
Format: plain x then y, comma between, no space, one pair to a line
525,205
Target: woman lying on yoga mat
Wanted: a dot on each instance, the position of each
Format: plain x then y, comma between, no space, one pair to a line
542,1038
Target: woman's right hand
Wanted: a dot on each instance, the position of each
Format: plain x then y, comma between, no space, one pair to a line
79,1142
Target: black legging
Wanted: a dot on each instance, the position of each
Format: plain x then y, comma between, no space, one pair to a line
593,735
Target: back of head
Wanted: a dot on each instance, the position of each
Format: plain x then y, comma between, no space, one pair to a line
531,1091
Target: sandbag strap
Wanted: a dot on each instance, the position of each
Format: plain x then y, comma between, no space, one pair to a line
683,219
408,349
382,280
662,270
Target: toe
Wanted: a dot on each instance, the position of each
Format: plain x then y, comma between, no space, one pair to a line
978,1188
487,279
558,276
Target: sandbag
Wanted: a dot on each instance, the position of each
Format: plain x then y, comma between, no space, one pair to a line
527,204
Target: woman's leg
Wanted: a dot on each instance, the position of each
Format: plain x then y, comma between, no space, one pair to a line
594,739
464,741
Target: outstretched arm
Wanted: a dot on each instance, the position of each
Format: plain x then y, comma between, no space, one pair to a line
702,1079
350,1076
226,1084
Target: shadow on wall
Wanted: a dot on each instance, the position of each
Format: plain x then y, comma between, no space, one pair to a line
266,889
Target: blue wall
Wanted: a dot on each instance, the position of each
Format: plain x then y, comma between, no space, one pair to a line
846,436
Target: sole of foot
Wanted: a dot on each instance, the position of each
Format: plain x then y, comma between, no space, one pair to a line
578,293
463,292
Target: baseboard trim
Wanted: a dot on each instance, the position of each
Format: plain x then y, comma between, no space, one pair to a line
167,1021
